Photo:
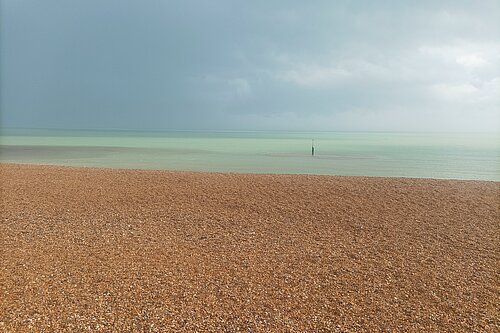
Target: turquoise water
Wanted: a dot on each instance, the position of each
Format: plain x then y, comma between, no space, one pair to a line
428,155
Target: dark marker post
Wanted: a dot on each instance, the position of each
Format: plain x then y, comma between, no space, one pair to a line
312,148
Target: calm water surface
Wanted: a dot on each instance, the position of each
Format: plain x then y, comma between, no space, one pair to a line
429,155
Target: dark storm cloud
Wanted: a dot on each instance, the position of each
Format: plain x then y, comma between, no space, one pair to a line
383,65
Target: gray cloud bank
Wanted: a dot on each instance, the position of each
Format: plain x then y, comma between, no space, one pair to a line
292,65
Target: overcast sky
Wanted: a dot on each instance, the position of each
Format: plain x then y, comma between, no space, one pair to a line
227,64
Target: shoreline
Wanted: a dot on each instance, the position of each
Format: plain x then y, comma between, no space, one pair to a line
98,249
239,173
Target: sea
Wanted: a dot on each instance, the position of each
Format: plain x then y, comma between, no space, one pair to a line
474,156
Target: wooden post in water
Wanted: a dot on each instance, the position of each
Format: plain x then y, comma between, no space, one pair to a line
312,148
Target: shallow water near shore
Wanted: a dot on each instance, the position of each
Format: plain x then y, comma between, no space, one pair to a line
421,155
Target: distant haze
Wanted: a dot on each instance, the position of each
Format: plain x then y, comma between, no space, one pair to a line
228,64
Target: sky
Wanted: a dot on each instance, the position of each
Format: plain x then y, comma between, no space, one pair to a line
251,65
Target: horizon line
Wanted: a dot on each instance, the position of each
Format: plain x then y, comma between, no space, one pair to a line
241,130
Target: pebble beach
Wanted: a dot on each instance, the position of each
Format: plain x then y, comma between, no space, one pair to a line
110,250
